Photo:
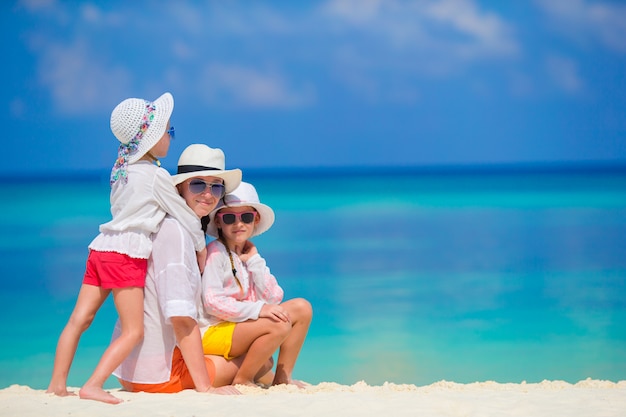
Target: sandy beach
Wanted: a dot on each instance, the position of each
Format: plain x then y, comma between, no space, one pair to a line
548,398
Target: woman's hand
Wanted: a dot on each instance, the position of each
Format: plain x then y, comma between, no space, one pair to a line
225,390
274,312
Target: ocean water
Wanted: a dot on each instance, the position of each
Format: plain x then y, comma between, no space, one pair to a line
414,277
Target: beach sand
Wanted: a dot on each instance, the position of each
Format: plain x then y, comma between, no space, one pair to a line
548,398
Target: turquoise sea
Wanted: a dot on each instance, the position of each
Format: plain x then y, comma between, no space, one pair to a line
414,276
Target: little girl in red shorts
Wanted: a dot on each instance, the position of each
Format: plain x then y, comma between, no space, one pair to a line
142,194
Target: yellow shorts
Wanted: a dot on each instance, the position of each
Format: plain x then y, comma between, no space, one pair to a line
218,339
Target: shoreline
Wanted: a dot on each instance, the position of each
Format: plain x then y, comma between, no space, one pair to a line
443,398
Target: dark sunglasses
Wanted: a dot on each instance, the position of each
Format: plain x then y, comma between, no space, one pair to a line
198,186
171,132
230,218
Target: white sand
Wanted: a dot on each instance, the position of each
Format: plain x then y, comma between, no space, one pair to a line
549,398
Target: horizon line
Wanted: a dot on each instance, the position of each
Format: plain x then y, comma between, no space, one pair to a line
431,169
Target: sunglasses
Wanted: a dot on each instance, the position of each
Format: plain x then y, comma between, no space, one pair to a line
230,218
198,186
171,132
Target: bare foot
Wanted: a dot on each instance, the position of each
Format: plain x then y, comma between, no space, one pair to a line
245,382
265,381
98,394
300,384
297,383
60,391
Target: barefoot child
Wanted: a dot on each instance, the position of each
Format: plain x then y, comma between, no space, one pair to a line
142,194
242,299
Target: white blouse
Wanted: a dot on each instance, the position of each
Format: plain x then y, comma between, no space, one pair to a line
172,290
138,208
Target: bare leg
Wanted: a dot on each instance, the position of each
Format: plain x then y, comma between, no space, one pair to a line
258,340
90,299
300,314
129,305
224,371
265,377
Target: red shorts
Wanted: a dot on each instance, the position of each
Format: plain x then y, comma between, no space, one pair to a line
180,378
115,270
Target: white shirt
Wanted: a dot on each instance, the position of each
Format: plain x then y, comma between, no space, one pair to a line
172,290
138,208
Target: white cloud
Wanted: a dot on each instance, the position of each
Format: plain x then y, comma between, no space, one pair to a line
457,25
410,41
81,74
78,81
240,86
597,22
35,6
355,11
90,13
49,10
487,33
263,55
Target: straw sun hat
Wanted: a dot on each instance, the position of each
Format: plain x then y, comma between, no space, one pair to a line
244,195
142,120
138,124
199,160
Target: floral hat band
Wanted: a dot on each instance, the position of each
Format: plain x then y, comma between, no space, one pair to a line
120,169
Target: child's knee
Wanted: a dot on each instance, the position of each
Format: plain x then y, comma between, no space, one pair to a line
132,335
81,322
303,309
136,335
282,328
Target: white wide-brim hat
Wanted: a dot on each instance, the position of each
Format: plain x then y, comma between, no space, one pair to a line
199,160
245,195
128,117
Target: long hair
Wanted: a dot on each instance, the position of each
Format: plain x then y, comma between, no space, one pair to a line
204,221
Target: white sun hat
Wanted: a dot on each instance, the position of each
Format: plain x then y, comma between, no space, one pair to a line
199,160
245,195
138,124
131,115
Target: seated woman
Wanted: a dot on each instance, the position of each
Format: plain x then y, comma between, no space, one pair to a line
170,357
245,312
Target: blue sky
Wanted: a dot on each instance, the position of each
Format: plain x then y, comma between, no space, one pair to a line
352,83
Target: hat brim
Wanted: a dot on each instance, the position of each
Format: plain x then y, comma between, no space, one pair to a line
231,177
265,212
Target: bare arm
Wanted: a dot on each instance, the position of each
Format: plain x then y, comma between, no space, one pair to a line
190,343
